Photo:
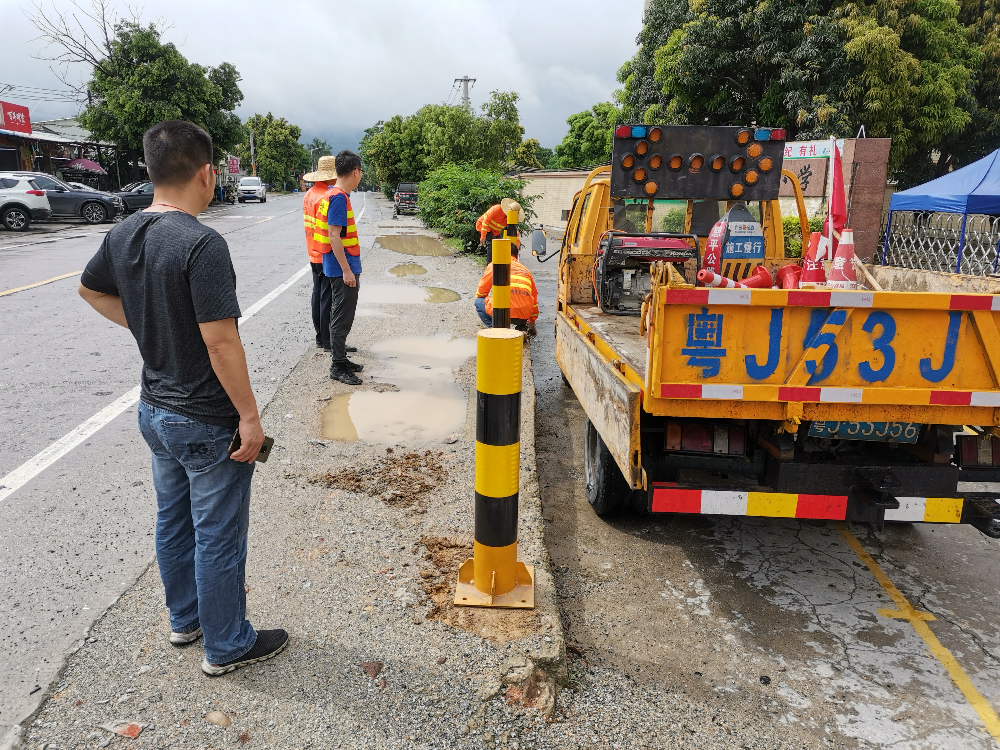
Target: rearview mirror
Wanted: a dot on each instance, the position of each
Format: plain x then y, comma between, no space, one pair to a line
538,242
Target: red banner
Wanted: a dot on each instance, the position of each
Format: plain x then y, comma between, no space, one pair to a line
15,117
234,165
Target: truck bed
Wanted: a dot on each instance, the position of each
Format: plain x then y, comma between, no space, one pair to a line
621,332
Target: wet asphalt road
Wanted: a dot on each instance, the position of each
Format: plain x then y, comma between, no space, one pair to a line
75,537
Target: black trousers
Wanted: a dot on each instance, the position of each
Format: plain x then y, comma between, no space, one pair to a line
345,305
321,305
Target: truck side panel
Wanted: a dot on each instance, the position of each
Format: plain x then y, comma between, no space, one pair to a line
610,401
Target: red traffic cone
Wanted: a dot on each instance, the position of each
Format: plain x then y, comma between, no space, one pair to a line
812,266
843,275
708,277
788,276
759,279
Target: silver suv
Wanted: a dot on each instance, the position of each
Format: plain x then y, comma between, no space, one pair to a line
22,201
251,188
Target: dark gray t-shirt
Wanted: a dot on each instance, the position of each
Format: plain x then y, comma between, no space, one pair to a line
172,273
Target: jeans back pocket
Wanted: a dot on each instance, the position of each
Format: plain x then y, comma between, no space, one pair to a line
191,442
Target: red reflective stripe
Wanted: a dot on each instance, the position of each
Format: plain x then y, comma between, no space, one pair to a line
970,302
808,299
687,296
830,507
676,501
668,390
798,393
951,398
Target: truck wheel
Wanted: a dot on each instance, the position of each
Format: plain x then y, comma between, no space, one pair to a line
607,491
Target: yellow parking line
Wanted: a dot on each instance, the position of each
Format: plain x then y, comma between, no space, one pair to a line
39,283
918,620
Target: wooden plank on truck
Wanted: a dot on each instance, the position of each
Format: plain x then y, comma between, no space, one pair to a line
826,355
611,401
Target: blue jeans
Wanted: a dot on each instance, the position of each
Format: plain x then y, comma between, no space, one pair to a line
202,518
483,315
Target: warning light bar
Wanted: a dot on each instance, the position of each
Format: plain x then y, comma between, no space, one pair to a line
671,162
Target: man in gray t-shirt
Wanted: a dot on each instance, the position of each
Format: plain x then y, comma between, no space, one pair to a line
170,281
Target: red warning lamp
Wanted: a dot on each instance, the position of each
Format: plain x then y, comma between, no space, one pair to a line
778,134
623,131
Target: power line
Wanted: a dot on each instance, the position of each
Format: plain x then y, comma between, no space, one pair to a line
34,93
465,81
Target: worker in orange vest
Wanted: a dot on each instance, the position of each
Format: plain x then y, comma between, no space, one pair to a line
523,296
318,245
492,224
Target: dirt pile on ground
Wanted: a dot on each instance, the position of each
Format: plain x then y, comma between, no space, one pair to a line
399,479
444,557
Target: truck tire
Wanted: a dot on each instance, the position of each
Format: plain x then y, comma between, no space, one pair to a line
607,491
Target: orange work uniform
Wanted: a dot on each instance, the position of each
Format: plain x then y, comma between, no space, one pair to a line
494,222
523,293
317,241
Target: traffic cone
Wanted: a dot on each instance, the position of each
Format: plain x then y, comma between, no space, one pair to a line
759,279
843,275
812,265
708,277
788,276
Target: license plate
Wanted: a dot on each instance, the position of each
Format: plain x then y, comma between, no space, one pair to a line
900,432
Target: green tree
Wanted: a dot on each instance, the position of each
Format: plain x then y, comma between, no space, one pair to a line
590,136
547,157
409,148
453,196
317,147
278,151
528,154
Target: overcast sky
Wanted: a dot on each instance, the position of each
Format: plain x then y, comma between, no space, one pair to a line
335,68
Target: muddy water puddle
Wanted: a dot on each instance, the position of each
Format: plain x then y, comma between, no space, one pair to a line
408,269
429,405
414,244
371,294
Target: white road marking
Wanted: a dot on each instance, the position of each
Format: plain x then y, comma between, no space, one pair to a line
43,242
48,456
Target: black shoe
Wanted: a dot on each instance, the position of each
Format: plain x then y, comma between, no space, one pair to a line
345,376
327,348
350,349
352,366
269,643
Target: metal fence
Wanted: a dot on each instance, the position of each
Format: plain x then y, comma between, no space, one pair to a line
932,241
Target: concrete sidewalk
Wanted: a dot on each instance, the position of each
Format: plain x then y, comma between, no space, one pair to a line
354,549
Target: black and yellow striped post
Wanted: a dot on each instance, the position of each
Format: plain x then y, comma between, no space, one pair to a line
501,283
493,577
511,231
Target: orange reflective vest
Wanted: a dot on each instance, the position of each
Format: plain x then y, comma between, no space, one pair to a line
494,221
523,293
348,234
310,205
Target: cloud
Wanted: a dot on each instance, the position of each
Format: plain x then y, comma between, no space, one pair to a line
335,68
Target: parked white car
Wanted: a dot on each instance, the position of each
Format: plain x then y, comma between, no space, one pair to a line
21,202
251,188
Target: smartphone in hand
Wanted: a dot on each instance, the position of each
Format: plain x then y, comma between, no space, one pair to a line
265,449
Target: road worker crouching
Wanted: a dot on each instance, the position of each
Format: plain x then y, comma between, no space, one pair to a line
492,224
523,296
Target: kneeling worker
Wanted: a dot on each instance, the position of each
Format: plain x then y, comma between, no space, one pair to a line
491,225
523,296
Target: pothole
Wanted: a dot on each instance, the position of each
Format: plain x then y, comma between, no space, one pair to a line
375,294
408,269
414,244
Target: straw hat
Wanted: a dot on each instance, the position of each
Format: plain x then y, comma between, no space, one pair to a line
326,170
509,204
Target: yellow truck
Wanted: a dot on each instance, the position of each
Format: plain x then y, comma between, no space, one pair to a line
862,405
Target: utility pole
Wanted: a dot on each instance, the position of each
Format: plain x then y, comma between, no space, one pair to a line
253,157
465,81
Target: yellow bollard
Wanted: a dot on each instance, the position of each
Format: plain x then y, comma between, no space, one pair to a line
501,283
493,577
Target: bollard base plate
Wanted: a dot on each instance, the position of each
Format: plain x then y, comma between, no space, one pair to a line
522,597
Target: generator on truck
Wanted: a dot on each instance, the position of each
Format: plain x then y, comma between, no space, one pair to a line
860,405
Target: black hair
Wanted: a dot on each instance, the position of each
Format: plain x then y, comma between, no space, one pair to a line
347,162
174,150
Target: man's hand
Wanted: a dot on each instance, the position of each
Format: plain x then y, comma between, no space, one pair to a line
107,305
251,438
349,277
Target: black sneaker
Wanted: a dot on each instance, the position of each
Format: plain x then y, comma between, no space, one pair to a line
345,376
352,366
269,643
350,349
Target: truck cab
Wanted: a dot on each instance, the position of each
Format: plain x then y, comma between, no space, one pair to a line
809,403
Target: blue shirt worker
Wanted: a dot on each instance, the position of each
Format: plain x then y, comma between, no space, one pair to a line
342,265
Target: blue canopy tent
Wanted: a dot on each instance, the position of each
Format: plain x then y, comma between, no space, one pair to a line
973,189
